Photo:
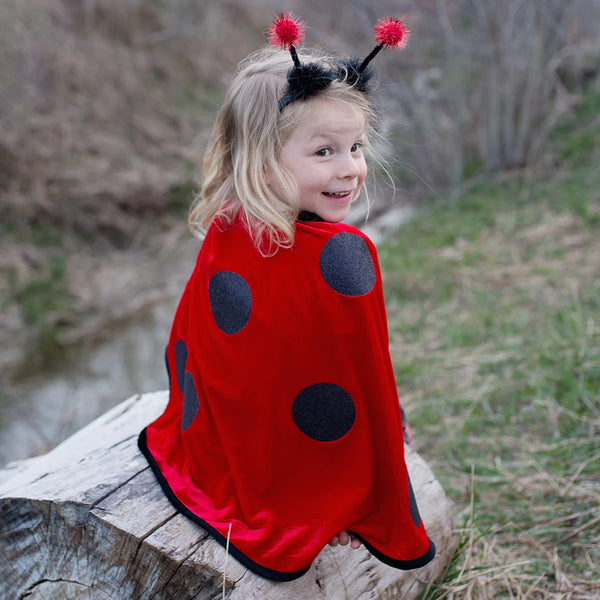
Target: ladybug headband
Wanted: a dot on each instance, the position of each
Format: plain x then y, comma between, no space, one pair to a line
307,80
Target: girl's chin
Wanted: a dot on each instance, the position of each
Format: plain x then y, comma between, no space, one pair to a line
331,209
334,216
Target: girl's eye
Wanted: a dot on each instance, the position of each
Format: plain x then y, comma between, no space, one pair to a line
323,152
356,147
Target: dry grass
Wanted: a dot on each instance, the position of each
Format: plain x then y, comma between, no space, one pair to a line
495,565
494,309
104,108
96,130
103,101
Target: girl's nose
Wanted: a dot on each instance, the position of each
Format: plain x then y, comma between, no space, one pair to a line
348,167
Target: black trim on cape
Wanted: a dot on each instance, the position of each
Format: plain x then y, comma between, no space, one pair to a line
405,565
184,510
307,215
255,567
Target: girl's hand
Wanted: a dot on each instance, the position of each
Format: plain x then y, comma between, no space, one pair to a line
342,538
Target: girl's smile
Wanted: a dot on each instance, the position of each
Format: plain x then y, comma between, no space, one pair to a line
324,155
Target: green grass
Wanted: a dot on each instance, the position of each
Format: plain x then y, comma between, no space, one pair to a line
45,302
494,315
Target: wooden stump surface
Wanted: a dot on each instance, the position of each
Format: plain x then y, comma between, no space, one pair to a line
88,520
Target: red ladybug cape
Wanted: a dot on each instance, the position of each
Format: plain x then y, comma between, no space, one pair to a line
283,419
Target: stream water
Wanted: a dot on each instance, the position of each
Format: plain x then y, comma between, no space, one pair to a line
45,408
51,406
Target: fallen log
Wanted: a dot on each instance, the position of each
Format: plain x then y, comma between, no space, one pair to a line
88,520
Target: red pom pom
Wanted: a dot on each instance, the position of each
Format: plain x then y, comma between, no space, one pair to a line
286,31
391,32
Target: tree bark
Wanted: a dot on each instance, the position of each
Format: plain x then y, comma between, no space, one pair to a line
88,520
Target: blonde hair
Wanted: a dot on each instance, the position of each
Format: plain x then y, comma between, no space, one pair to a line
241,170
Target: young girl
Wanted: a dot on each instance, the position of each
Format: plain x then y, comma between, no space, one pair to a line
283,430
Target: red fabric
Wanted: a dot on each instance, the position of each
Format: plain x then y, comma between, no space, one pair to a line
239,457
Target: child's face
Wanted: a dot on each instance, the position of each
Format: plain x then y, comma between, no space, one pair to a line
325,156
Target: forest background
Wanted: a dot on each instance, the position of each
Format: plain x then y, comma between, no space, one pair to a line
492,117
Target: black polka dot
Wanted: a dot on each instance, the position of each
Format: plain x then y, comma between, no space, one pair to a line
181,355
190,401
346,264
230,301
324,412
412,505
